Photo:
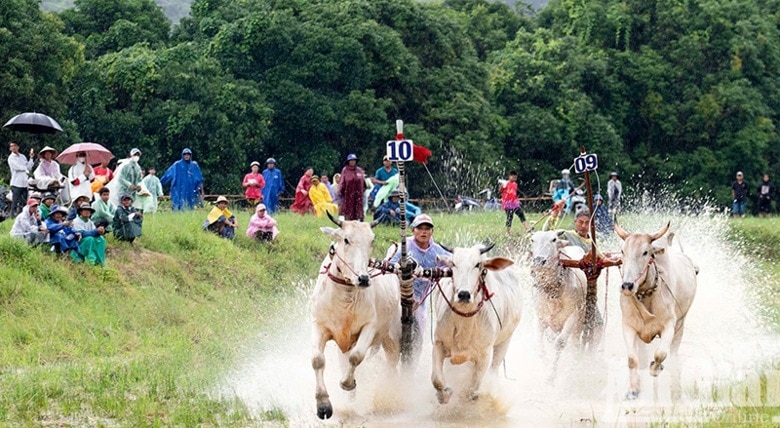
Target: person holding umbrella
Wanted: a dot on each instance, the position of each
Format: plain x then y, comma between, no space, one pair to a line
20,168
48,175
80,177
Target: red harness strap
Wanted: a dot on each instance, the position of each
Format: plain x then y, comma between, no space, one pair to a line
486,295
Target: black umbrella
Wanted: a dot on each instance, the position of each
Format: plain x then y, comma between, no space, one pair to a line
35,123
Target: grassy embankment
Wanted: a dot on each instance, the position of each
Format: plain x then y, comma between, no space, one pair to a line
145,340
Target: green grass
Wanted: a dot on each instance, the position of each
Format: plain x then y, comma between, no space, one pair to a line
146,340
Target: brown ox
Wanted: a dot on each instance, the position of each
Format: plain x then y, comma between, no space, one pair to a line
560,301
467,331
658,287
352,308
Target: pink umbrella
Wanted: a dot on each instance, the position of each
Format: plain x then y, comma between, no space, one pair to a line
95,154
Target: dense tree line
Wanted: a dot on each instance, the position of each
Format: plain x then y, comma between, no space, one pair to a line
681,93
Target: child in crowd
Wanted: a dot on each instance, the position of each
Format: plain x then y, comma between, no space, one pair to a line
104,209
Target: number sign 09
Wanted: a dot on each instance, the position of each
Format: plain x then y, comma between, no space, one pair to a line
589,162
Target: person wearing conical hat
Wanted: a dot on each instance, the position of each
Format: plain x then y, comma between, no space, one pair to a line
48,175
92,245
254,184
220,220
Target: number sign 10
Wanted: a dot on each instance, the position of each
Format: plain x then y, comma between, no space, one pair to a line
589,162
400,150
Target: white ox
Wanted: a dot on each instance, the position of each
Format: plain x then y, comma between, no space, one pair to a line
352,308
477,313
659,284
560,303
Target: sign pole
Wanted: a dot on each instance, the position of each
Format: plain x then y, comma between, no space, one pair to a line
407,279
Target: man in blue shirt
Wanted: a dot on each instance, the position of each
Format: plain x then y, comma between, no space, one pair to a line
422,248
380,178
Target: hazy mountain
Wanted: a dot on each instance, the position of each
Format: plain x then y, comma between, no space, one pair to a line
177,9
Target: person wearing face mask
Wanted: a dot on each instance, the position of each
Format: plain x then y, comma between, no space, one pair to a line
80,177
127,178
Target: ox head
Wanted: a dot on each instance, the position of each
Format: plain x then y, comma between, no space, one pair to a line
469,267
545,246
353,242
638,253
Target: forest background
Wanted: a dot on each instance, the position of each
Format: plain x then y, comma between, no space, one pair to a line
678,94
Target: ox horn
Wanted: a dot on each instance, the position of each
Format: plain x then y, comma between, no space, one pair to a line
661,232
337,222
449,249
487,248
620,231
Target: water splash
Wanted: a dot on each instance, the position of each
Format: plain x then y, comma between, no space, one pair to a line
725,337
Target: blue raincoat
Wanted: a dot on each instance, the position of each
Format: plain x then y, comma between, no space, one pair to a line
185,179
274,185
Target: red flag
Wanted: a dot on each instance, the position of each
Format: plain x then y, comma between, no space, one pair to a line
421,154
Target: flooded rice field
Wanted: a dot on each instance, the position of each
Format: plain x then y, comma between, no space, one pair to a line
726,352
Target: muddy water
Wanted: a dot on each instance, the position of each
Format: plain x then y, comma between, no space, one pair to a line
725,342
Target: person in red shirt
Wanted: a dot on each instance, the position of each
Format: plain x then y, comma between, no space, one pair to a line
254,183
510,203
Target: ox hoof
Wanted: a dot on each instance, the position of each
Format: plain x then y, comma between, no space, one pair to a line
655,369
348,386
324,411
443,395
632,395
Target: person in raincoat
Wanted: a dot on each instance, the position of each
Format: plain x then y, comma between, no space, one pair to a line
28,225
61,235
127,178
351,188
320,198
254,184
185,179
80,177
303,204
92,245
47,201
104,209
274,186
153,188
220,220
128,220
261,226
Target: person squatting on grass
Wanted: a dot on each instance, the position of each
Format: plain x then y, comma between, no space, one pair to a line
321,199
261,226
92,244
28,225
220,220
62,237
510,203
128,220
47,201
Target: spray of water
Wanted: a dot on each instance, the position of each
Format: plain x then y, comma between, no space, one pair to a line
725,337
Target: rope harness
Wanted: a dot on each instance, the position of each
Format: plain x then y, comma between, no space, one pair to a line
647,292
481,286
384,268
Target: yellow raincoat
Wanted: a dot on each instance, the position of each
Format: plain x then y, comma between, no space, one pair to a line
320,198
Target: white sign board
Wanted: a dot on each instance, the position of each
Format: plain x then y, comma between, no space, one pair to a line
400,150
588,162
